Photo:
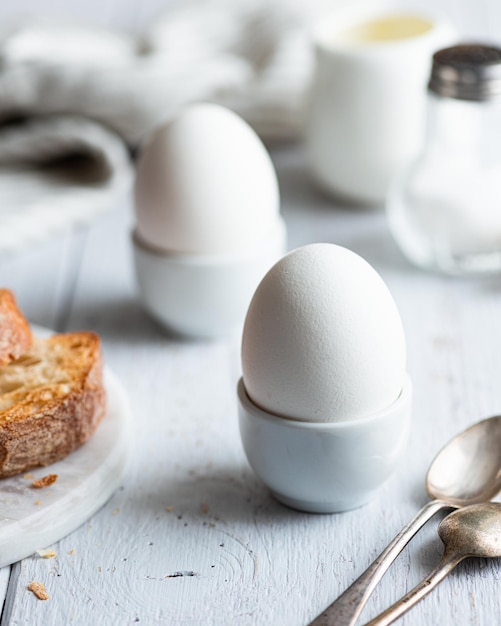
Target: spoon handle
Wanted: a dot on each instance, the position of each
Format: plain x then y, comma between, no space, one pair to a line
446,565
345,610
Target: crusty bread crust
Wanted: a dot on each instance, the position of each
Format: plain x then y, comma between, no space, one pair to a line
58,405
15,333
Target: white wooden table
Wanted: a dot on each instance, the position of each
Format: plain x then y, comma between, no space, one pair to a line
192,537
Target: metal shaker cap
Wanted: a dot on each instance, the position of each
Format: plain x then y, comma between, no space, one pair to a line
467,72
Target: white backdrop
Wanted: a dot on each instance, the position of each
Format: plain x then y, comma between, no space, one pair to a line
472,18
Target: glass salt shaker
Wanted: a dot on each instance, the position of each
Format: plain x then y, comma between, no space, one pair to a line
444,210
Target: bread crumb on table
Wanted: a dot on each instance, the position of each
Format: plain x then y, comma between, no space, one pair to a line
50,479
39,590
47,554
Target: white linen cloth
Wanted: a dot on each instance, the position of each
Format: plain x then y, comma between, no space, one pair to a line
74,100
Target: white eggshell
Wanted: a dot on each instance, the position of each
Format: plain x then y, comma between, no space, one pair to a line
205,185
323,340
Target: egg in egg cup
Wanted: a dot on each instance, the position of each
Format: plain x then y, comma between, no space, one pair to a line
324,401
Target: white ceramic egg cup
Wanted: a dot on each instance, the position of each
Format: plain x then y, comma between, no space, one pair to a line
203,295
325,467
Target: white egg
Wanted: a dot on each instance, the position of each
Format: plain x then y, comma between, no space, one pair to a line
206,185
323,340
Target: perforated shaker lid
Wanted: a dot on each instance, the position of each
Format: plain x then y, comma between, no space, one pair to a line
467,72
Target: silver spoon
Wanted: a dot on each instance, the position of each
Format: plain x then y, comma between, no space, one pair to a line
466,471
472,531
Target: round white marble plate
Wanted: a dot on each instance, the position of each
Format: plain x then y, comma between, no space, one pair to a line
32,519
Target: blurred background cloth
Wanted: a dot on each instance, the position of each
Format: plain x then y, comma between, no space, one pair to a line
76,100
78,97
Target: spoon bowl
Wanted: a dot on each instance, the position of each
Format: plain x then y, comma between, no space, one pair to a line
473,531
468,468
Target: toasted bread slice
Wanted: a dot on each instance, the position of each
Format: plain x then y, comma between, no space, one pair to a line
15,333
51,400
